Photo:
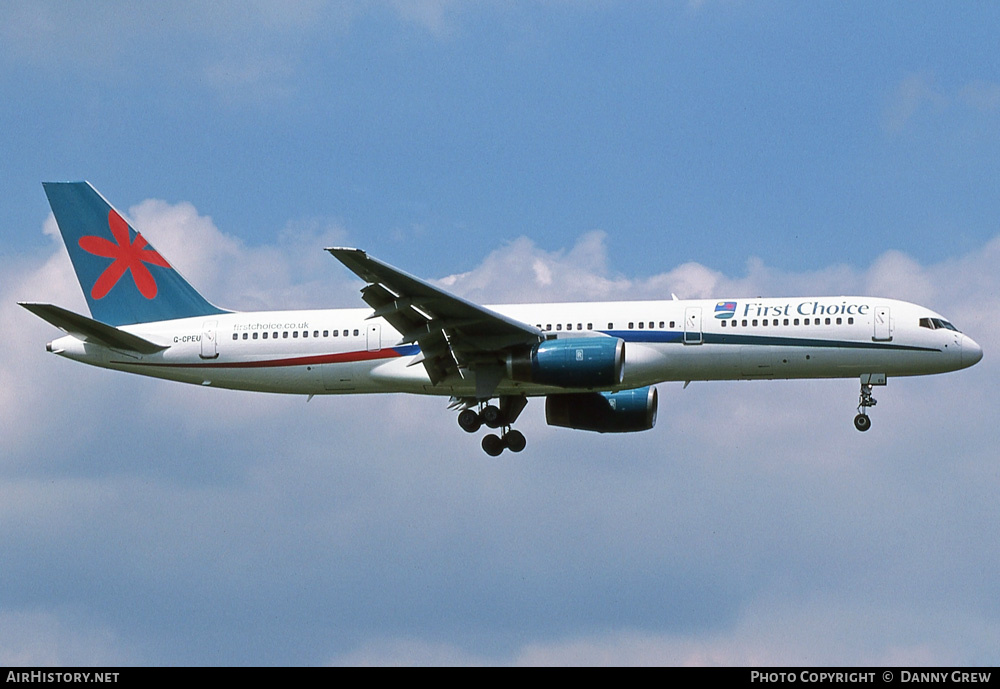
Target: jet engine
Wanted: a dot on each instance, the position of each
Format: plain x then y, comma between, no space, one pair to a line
605,412
584,362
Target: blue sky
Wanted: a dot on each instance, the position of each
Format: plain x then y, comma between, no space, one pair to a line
518,151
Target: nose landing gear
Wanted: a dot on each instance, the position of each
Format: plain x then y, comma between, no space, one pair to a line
498,417
862,422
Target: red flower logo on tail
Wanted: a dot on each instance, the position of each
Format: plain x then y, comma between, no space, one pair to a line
127,255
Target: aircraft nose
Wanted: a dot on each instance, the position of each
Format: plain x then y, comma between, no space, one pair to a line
971,352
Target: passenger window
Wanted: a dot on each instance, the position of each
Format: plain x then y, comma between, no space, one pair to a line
641,324
827,321
611,326
631,325
305,333
245,336
355,332
264,335
295,333
236,336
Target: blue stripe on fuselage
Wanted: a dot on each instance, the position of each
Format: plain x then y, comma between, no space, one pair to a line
661,336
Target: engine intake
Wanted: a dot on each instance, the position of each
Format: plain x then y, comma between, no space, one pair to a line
585,362
605,412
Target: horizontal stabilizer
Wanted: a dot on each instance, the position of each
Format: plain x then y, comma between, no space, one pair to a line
89,330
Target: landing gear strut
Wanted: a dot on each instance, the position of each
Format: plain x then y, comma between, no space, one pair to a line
498,417
865,401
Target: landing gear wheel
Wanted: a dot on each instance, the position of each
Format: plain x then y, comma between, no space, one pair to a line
515,441
492,416
493,445
470,421
865,402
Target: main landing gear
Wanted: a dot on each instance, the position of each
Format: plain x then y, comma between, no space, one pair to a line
865,401
499,417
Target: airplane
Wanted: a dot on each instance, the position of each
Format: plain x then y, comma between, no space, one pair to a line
596,364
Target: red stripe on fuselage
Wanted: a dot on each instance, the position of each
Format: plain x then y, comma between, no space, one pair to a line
342,358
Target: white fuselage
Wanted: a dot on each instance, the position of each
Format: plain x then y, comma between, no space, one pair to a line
343,351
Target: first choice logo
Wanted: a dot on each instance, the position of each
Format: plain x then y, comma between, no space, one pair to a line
806,308
727,309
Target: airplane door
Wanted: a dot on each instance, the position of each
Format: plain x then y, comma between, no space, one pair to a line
209,340
883,324
692,325
374,337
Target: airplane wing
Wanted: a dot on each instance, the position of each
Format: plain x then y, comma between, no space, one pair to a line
454,335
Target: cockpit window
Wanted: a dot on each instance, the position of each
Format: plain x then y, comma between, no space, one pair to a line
937,323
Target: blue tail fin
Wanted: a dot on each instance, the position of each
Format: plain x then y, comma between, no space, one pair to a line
124,279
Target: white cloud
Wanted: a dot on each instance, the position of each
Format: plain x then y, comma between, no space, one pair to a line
51,640
264,78
982,95
780,635
435,16
919,94
767,635
294,273
244,52
522,272
910,95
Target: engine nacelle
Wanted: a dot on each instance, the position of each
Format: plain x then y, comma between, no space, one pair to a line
605,412
582,362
